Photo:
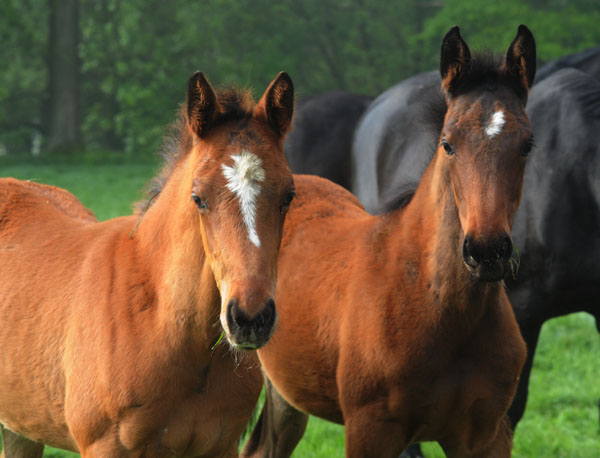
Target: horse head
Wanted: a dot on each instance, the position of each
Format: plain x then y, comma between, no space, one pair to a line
239,192
485,140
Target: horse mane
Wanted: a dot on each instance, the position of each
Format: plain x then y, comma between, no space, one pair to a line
434,112
398,200
234,105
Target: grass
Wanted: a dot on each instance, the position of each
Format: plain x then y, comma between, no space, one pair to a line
561,420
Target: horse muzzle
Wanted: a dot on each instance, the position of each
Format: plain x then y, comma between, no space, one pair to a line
249,332
489,259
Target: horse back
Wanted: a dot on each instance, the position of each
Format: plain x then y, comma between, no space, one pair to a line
320,198
22,201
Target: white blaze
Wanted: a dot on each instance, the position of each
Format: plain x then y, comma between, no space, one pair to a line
495,125
243,179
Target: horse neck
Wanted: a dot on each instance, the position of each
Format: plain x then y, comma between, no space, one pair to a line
169,240
430,223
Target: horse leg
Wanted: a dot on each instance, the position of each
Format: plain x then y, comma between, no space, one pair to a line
367,435
17,446
500,446
278,430
530,334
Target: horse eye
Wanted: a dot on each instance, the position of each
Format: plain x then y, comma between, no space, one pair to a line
287,200
448,147
200,202
526,148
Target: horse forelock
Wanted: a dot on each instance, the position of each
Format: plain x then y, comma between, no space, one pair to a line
487,71
494,103
233,105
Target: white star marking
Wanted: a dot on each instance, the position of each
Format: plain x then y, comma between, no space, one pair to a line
243,179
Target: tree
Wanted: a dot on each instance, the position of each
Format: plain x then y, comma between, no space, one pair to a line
64,112
135,56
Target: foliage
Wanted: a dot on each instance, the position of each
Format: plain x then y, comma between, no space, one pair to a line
560,28
23,72
137,55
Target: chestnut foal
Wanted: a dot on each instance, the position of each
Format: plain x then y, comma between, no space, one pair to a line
109,329
398,326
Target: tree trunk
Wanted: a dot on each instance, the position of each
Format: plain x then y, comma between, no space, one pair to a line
64,112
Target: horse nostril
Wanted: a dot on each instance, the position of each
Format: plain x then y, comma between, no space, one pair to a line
235,314
468,252
267,316
489,252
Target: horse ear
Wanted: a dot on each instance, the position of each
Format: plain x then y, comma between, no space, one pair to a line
521,59
201,104
455,61
277,103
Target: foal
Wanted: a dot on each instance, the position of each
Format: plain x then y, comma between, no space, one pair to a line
398,326
109,329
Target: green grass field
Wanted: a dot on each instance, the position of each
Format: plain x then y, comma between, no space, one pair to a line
562,418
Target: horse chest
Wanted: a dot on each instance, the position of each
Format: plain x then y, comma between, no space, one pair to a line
426,379
173,412
185,429
425,401
458,387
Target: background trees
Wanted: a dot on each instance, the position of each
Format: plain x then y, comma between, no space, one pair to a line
134,57
63,117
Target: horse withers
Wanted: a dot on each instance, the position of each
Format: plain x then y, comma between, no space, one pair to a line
403,122
109,329
398,325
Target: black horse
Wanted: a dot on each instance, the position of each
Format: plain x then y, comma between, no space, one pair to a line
557,227
587,61
559,216
396,138
320,141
